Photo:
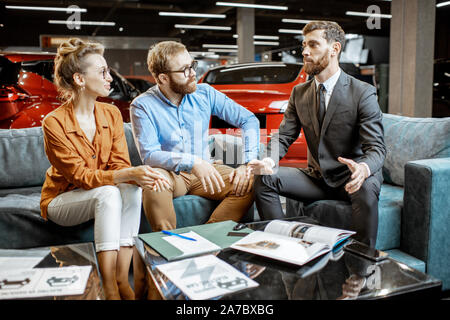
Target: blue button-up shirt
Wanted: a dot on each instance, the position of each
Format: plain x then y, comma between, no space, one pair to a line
171,137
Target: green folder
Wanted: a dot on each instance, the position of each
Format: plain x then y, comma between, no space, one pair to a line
214,232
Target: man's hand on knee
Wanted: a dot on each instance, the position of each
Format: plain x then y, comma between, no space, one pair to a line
241,181
208,175
359,174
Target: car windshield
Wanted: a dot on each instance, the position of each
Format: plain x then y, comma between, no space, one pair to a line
121,88
9,71
258,74
43,68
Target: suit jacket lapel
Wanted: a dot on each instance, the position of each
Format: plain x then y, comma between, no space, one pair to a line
335,100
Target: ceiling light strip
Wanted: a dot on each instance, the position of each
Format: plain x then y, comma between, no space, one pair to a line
228,46
250,5
222,50
443,4
296,21
193,26
73,9
192,15
266,43
233,46
365,14
290,31
260,37
201,52
85,23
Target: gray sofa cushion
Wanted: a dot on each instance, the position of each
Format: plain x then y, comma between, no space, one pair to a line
28,165
132,150
22,191
21,225
409,139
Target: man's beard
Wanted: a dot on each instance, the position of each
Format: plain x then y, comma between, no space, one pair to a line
314,68
184,88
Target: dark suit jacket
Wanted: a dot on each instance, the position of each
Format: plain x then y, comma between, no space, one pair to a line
352,128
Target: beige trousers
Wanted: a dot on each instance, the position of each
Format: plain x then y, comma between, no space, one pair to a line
159,209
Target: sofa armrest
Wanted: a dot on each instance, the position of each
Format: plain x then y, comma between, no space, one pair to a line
426,215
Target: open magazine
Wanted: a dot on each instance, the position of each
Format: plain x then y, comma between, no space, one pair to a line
293,242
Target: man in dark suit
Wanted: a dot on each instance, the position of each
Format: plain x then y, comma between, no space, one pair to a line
341,120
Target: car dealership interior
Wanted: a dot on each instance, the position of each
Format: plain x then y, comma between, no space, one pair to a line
254,54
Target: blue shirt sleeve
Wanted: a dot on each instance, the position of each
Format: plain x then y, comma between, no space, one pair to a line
146,139
238,116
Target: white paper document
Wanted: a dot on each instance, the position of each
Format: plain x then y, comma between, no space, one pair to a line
205,277
189,247
30,283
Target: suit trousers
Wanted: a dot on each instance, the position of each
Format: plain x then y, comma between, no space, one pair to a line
116,211
295,184
159,209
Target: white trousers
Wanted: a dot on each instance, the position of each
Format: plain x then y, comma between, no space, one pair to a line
116,211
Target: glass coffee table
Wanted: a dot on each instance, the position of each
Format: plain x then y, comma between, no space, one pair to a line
351,276
81,254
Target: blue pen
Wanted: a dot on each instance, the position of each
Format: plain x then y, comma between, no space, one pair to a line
178,235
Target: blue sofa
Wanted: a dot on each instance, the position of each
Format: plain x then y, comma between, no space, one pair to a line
414,206
23,164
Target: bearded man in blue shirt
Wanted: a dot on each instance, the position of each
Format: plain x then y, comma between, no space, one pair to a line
170,126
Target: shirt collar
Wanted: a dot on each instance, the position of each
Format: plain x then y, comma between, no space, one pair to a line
164,98
72,124
330,83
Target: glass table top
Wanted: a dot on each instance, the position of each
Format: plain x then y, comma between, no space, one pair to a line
349,276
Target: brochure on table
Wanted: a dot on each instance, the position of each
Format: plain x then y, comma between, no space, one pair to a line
292,242
205,277
42,282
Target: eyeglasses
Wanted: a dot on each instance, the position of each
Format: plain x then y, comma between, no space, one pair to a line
186,70
105,72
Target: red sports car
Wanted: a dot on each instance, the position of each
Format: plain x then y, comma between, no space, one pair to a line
27,92
264,89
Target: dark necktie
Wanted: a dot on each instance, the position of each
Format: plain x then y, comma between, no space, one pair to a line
322,109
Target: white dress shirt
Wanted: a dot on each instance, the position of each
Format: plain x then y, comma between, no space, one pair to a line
329,85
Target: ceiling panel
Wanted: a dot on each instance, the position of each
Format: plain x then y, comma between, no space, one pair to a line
140,18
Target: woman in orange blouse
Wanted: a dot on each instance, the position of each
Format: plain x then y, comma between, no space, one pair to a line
91,176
